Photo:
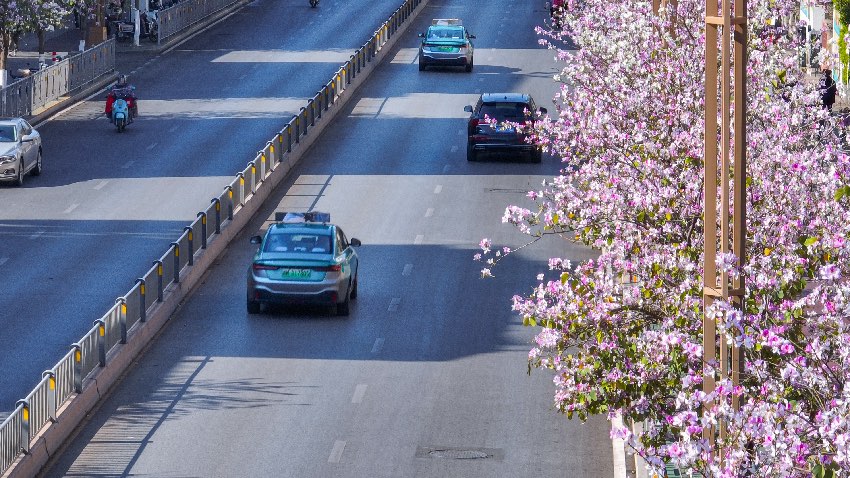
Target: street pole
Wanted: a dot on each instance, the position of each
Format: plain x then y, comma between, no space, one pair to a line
727,26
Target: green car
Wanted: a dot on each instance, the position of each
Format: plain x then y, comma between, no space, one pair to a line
446,43
303,258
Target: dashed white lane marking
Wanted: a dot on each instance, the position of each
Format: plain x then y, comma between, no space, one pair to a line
36,234
408,268
460,131
173,129
418,240
429,212
134,71
101,184
438,189
336,452
446,168
243,76
481,79
359,391
70,208
394,304
151,146
454,149
379,344
3,260
128,164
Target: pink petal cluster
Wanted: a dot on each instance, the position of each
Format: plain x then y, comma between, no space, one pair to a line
622,333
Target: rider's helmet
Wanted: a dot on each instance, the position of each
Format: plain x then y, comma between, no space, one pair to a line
122,81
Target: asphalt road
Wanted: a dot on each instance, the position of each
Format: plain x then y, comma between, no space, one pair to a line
427,377
108,204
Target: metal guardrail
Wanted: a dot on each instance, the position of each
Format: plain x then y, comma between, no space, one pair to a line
26,96
173,20
67,377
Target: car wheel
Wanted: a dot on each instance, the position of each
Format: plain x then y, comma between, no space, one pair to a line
19,181
537,156
253,307
354,289
344,307
471,155
37,170
421,66
469,66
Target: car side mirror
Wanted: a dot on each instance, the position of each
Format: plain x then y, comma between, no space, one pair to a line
354,242
468,108
542,110
256,240
421,35
472,37
27,138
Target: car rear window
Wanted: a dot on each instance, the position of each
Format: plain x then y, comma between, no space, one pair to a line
445,33
298,242
504,111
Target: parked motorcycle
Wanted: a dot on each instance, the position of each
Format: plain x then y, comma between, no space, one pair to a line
314,3
150,27
120,114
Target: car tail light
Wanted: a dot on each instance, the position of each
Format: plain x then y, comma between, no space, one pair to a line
473,123
264,267
331,268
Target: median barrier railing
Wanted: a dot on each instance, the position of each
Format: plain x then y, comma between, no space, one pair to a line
25,97
67,377
173,20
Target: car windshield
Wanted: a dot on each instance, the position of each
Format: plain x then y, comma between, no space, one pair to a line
445,33
8,134
504,111
298,242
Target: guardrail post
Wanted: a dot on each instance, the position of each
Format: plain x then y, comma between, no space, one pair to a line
78,367
158,264
253,166
176,262
263,168
297,127
122,318
229,202
203,217
319,107
101,342
311,105
191,242
25,425
303,113
50,375
352,61
272,156
143,313
217,203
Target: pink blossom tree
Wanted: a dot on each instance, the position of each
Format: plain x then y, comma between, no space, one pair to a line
622,333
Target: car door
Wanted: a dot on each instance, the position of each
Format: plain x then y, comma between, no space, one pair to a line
349,256
27,147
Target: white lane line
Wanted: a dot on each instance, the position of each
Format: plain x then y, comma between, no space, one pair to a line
151,146
134,71
394,304
3,260
37,234
481,79
336,453
379,344
173,129
429,212
70,208
446,168
438,189
128,164
243,76
460,132
101,184
418,239
408,268
359,391
454,149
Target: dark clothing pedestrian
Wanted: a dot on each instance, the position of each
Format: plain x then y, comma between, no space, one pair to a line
828,89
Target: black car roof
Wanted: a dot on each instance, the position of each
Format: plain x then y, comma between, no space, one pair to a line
500,97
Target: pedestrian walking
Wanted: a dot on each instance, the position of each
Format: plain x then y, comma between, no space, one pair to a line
828,89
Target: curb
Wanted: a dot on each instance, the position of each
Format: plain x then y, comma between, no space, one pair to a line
75,411
98,84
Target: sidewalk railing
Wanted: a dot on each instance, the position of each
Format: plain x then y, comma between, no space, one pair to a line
28,95
175,19
67,378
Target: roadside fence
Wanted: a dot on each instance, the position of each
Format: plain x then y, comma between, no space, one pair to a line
68,377
26,96
174,19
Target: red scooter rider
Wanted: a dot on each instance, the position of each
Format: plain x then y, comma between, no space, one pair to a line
122,89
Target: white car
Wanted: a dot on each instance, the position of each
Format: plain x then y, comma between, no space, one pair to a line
20,150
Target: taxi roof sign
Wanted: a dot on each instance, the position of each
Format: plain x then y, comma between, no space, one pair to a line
446,21
301,217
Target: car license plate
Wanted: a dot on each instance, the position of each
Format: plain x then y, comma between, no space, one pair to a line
295,273
447,49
